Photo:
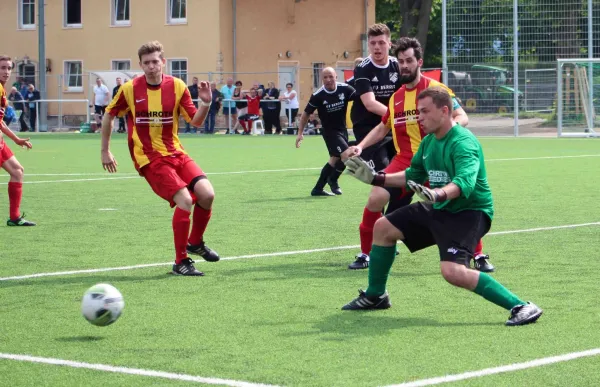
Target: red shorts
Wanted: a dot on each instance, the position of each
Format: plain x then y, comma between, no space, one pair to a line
167,175
397,165
5,153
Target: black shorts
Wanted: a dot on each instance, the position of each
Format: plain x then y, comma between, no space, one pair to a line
336,142
248,117
377,153
455,234
99,109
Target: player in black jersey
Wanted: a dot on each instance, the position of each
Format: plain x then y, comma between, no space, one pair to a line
331,101
375,80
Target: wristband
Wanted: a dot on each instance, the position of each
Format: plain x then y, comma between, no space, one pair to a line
379,179
442,196
202,103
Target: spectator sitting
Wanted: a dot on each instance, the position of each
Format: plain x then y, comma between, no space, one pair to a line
312,126
253,114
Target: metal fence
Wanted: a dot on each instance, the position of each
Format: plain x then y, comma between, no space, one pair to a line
500,57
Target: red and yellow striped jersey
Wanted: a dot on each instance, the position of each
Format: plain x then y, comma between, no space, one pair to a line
406,130
3,106
153,117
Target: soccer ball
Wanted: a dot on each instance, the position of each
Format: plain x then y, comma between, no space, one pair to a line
102,305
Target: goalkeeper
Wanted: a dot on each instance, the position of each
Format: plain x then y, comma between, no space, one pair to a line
455,212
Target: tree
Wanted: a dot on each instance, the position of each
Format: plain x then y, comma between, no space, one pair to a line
417,18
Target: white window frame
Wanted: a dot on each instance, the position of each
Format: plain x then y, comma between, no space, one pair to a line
113,62
113,14
65,11
172,20
317,71
67,75
21,14
179,72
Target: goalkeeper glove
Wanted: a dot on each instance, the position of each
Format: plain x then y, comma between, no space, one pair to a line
363,171
428,195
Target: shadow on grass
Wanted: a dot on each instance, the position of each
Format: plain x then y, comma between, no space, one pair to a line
373,323
79,339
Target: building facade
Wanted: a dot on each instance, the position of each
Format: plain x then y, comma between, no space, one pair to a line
250,40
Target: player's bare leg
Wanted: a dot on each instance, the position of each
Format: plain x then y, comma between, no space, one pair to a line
15,192
378,198
181,228
205,195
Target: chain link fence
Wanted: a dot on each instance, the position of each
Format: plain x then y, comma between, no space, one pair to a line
514,92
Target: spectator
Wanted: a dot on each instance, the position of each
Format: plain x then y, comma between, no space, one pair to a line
229,109
193,88
258,86
209,123
101,99
9,115
290,100
312,126
121,119
271,109
32,96
17,100
241,104
253,113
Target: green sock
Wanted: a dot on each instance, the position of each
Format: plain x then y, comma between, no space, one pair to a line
492,290
381,259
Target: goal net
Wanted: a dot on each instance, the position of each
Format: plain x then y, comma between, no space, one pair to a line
578,97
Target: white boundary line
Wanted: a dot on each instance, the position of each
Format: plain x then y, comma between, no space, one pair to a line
135,175
130,371
501,369
278,254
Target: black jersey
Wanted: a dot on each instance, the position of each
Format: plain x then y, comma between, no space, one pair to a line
350,81
331,105
383,81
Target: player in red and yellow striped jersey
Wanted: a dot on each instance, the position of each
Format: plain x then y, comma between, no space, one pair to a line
8,161
153,104
402,118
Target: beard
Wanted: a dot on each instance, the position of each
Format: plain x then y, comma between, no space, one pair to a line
408,78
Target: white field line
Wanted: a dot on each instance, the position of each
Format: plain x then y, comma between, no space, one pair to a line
501,369
130,371
122,176
277,254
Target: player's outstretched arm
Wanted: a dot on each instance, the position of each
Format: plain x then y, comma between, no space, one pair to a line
22,142
372,105
108,161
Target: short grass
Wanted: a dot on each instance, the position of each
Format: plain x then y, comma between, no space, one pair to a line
277,319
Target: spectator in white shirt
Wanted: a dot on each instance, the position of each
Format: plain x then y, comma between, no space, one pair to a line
101,100
290,102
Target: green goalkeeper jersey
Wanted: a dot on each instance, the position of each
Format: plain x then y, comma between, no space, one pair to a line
456,158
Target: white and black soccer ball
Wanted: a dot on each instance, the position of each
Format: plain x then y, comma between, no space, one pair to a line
102,304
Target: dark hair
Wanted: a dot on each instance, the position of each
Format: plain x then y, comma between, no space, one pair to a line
238,83
290,84
439,95
378,29
405,43
150,48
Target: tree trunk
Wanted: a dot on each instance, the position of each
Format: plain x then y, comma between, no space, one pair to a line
415,15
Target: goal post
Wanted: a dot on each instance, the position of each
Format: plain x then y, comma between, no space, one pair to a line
578,97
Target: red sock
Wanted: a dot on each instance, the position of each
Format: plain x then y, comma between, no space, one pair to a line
366,230
181,228
15,192
243,123
479,248
201,218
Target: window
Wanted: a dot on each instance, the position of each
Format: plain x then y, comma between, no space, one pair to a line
317,70
119,65
72,13
120,13
178,68
74,75
27,14
176,12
